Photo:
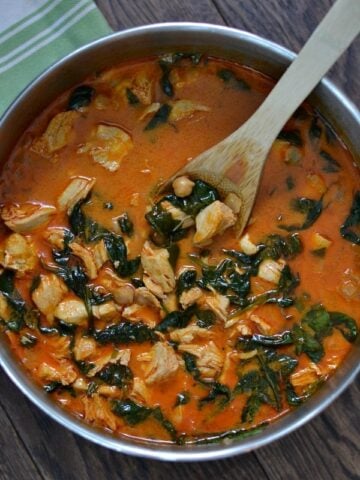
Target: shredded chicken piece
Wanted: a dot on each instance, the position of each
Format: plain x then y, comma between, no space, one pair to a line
210,359
247,246
270,270
106,311
185,109
48,294
170,303
305,376
264,327
55,236
211,221
163,363
217,303
191,296
153,108
84,348
59,347
187,334
185,220
122,292
139,393
97,411
87,258
318,241
77,190
72,311
26,217
18,254
143,88
63,372
159,276
144,297
108,145
5,311
57,134
234,202
138,313
100,254
120,356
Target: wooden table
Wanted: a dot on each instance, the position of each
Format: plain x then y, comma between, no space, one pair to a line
32,446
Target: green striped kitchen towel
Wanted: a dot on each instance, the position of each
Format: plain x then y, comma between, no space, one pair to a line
36,33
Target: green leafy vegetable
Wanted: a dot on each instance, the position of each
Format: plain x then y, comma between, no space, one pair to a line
131,97
176,319
217,391
125,332
345,324
205,318
350,230
27,340
229,77
182,398
117,252
331,165
291,136
126,225
160,117
116,374
310,208
185,281
80,97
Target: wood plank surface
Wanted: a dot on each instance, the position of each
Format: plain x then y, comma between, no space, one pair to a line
32,446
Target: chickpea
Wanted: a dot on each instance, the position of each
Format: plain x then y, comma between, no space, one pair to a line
183,186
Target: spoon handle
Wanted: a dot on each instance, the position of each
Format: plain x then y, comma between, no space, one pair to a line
333,35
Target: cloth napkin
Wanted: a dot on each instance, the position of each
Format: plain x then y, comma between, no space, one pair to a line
36,33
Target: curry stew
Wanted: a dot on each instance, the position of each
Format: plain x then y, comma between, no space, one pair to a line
145,315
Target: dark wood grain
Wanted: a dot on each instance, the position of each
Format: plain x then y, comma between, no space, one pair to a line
32,446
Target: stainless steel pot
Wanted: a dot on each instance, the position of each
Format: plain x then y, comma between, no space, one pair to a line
232,44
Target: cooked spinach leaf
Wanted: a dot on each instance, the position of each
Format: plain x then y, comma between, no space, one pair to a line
176,319
131,97
117,252
116,374
182,398
331,165
229,77
310,208
345,324
291,136
350,230
185,281
125,332
218,392
80,97
205,318
160,117
165,82
230,434
27,340
126,225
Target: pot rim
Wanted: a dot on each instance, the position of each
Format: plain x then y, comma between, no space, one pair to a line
280,427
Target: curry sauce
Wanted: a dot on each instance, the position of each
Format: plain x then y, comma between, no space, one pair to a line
144,314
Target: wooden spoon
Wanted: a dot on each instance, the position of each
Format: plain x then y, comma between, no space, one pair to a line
235,164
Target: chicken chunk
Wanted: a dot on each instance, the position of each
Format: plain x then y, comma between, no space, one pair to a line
185,220
142,86
86,256
122,292
100,254
18,254
139,393
212,220
264,326
5,311
163,363
153,108
57,134
270,270
187,334
216,303
55,236
26,217
106,311
63,372
108,145
72,311
159,276
189,297
247,246
84,348
209,361
49,294
97,411
306,376
140,313
78,189
119,356
144,297
185,109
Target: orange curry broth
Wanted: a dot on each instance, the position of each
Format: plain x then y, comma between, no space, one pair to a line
156,155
